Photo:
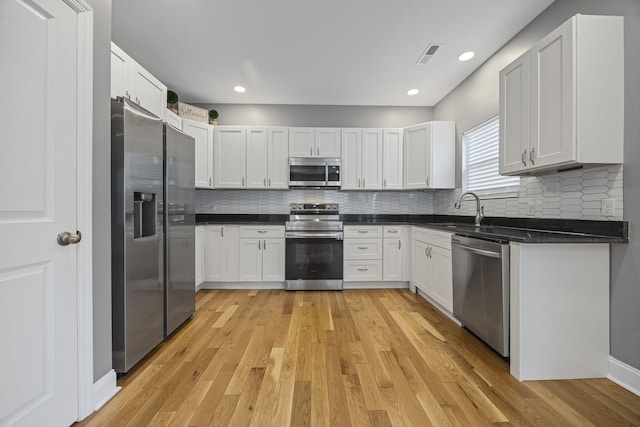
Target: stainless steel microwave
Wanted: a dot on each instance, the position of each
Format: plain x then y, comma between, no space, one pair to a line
319,172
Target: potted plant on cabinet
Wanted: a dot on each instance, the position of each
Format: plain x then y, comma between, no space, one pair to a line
172,101
213,116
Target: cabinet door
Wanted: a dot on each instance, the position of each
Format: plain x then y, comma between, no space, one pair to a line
416,169
515,114
440,285
229,144
250,260
392,260
147,91
202,133
199,265
120,62
350,168
552,119
214,254
392,159
421,266
371,159
173,119
328,142
278,158
257,157
302,142
273,257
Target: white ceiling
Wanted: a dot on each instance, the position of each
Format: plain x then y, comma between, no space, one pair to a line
330,52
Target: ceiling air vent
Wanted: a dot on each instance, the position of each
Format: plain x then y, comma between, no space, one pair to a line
428,54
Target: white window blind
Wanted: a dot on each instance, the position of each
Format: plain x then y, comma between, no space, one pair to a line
480,162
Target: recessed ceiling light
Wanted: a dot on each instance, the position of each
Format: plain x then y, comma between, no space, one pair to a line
239,89
465,56
412,92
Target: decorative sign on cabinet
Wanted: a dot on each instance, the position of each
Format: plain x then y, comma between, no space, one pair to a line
561,102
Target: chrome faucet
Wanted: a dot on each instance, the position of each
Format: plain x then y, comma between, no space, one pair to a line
479,209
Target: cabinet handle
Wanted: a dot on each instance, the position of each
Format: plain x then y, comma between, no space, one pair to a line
262,231
426,252
221,231
138,100
318,151
363,231
362,247
242,182
209,182
363,269
531,152
384,184
427,181
264,245
259,243
358,182
127,94
311,151
392,231
269,181
265,182
399,244
364,183
524,157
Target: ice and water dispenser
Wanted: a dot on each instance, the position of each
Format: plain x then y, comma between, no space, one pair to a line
145,214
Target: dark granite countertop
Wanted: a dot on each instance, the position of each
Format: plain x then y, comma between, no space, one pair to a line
524,230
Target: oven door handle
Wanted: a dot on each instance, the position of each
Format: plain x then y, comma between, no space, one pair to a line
313,235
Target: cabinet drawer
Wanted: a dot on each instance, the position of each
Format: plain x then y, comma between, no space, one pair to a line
421,234
363,232
393,231
363,249
357,271
441,239
262,232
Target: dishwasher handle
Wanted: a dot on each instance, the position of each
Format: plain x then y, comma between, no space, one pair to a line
477,251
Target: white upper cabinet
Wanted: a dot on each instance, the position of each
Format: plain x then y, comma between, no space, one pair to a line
229,148
562,101
202,133
429,156
129,79
361,159
314,142
173,119
392,160
267,157
251,157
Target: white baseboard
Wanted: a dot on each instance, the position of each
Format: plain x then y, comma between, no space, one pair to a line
104,389
241,285
375,285
624,375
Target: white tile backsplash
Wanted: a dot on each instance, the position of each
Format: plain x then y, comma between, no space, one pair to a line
277,202
574,194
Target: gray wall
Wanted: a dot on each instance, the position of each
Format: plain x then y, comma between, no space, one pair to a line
476,100
101,188
319,115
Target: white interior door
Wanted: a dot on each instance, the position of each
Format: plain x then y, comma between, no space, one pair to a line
38,277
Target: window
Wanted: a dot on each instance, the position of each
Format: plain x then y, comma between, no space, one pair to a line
480,157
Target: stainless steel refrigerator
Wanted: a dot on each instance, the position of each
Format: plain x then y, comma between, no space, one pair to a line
179,227
137,233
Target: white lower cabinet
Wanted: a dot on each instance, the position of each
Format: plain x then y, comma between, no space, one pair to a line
394,248
221,253
362,253
199,255
262,254
431,265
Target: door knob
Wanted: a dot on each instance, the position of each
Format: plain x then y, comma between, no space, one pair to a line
65,238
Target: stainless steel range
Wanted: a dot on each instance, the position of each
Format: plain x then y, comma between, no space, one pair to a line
314,237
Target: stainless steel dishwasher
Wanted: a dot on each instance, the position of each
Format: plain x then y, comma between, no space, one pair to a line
481,289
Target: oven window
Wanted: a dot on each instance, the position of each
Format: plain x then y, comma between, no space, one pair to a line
334,173
313,259
307,173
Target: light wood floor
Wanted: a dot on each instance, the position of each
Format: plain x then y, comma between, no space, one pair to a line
360,358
